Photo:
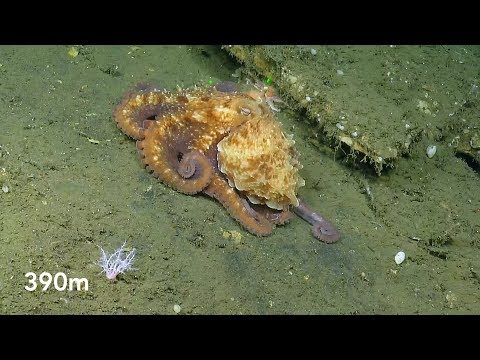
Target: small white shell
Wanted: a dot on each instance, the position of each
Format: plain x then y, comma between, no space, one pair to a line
400,257
177,308
431,150
5,189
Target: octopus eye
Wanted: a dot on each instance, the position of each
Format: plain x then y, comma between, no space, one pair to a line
245,111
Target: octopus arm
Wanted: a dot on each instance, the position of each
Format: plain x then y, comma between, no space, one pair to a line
277,217
322,229
238,209
168,155
143,104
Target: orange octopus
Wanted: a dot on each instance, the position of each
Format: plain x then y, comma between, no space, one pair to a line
222,143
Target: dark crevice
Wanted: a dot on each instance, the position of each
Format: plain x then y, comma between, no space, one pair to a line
471,162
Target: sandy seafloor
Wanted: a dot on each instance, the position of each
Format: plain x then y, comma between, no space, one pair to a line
67,196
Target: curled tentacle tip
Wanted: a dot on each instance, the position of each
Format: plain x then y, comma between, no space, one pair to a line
186,169
327,234
195,167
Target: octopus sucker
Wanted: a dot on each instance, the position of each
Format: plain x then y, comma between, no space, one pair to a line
225,144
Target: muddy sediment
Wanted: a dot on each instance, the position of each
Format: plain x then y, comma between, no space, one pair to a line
75,182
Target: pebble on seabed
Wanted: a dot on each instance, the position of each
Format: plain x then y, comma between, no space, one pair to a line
400,257
431,150
5,189
177,308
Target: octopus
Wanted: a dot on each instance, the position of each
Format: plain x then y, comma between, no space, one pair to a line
225,144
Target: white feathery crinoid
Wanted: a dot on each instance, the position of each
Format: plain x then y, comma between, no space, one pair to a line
116,263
